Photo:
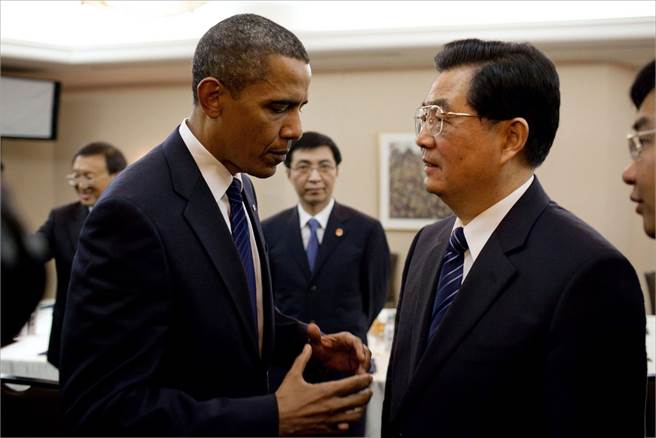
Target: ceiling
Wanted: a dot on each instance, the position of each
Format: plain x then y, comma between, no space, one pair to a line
93,43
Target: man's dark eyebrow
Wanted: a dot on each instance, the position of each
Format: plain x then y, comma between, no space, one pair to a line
640,123
440,102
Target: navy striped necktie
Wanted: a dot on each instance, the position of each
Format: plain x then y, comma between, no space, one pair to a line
450,279
242,239
313,244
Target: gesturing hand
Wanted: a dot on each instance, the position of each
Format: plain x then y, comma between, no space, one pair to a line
340,351
323,408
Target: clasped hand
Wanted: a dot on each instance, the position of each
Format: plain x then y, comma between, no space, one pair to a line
329,407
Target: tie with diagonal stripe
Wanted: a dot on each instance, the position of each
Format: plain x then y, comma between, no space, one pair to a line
450,278
313,244
241,237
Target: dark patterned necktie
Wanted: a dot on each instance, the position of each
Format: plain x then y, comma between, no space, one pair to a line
242,239
450,279
313,244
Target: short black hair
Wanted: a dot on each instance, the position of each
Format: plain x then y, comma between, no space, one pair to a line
113,156
235,51
643,84
313,140
511,80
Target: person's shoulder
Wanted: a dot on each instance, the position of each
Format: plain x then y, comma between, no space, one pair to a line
560,227
67,209
145,176
355,215
273,222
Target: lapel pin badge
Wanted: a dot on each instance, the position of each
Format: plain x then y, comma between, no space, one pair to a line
339,232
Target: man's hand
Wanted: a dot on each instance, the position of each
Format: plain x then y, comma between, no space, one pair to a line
340,351
323,408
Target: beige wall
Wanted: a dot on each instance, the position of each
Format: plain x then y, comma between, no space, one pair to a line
582,172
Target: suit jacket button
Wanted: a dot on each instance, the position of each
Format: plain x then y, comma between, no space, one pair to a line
313,288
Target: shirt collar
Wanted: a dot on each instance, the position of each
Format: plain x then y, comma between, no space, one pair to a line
321,217
478,231
215,173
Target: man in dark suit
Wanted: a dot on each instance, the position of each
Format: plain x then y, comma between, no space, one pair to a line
171,328
94,166
515,317
347,284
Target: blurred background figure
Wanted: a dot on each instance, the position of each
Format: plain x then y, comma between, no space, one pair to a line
94,166
640,171
23,274
329,262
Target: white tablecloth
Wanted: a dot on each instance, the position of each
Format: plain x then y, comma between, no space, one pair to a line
27,356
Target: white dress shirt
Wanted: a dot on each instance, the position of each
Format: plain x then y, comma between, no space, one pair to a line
218,179
321,217
478,231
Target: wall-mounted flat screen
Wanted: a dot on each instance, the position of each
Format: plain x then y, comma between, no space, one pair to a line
28,108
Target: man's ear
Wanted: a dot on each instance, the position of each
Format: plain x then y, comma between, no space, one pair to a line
516,134
211,93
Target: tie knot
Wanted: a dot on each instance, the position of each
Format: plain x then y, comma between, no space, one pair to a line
457,241
234,190
313,224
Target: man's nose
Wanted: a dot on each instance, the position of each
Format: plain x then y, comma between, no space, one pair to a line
628,176
292,129
314,174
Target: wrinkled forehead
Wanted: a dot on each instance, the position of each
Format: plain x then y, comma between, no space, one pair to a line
319,154
450,88
90,163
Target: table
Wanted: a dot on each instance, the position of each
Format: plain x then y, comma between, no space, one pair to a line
27,356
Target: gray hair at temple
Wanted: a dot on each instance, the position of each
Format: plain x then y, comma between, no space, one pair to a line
235,51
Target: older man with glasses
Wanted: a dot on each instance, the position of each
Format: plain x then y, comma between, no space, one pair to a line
515,318
94,166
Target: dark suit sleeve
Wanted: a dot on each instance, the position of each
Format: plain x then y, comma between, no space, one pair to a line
291,335
596,361
115,335
385,430
47,230
375,273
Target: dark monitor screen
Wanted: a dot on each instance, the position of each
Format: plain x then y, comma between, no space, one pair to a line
28,108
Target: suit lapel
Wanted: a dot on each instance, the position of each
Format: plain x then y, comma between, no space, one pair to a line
294,245
75,224
204,217
331,237
429,276
487,279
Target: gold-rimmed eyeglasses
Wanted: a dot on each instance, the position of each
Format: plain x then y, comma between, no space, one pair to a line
74,178
306,169
639,140
431,117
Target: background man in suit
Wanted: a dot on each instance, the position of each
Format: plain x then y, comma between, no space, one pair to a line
329,262
94,166
171,328
640,171
347,285
532,324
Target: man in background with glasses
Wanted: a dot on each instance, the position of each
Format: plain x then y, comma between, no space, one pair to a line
94,166
329,262
640,171
515,318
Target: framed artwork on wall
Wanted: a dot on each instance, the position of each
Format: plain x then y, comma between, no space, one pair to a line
404,202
